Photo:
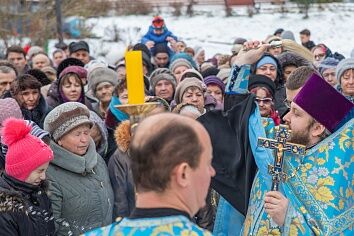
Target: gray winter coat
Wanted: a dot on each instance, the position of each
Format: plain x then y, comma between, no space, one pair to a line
80,190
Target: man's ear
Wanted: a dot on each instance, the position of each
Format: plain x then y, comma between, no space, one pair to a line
317,129
182,173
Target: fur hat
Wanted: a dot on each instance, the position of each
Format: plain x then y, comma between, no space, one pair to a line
99,75
343,66
185,84
25,152
122,135
65,118
40,76
70,61
292,59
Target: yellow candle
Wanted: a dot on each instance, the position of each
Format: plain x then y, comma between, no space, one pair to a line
135,77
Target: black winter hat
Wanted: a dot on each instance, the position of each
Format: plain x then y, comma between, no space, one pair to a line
261,81
160,48
278,31
40,76
143,48
76,46
210,71
70,61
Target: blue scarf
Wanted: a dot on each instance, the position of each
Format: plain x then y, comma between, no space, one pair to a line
117,113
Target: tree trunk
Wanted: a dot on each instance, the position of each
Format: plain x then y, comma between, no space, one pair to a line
228,9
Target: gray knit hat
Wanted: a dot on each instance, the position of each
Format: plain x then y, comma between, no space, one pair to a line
328,63
65,118
180,62
162,74
99,75
343,66
185,84
287,34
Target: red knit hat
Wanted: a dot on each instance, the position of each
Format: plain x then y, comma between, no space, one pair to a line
25,151
158,22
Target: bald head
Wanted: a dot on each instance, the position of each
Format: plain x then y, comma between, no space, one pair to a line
162,142
159,122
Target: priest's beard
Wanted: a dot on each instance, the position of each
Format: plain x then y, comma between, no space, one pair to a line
302,136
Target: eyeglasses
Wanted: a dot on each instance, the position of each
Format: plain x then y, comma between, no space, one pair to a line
264,100
287,103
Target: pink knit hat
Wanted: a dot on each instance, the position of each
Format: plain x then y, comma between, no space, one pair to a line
25,151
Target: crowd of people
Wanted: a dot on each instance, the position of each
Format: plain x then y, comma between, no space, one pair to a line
71,164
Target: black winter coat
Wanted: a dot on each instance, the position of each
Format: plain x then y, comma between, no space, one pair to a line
309,45
25,209
234,164
122,182
39,113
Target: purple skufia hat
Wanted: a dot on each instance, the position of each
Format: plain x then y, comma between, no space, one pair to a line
324,103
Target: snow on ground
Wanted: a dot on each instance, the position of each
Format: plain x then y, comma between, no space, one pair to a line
215,32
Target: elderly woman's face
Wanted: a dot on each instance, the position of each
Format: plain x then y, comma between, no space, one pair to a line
77,140
264,102
216,92
347,82
193,96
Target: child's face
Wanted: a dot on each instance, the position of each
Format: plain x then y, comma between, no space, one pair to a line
158,31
